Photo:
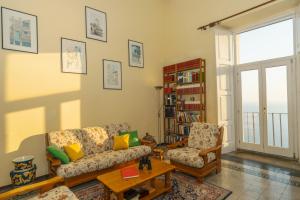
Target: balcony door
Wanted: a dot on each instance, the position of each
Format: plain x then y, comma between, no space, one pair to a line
265,107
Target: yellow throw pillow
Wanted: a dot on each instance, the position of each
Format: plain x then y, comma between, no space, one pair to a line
121,142
74,151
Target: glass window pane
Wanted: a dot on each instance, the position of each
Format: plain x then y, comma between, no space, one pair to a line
268,42
277,106
250,106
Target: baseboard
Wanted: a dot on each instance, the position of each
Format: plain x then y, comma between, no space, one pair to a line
228,147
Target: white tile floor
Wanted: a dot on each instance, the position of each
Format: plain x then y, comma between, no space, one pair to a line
245,186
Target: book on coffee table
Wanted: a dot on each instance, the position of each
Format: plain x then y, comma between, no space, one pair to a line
130,172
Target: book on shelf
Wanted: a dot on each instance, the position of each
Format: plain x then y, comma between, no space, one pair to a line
169,78
170,139
170,111
191,90
188,117
188,77
183,129
170,99
130,172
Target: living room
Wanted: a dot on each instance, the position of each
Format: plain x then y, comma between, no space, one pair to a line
101,64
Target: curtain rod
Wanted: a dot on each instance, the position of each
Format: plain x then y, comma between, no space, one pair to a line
212,24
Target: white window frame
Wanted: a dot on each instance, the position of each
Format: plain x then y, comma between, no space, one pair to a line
289,14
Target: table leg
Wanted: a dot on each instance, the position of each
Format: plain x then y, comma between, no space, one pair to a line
152,182
168,179
120,196
106,193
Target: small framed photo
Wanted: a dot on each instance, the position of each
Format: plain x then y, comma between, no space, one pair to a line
136,54
19,31
112,75
73,56
96,24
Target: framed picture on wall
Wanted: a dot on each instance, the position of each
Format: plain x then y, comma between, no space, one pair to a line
73,56
19,31
136,54
112,75
96,24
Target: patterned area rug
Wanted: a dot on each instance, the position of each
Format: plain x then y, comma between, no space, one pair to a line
184,187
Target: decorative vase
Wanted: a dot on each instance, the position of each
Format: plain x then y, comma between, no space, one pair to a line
23,162
22,177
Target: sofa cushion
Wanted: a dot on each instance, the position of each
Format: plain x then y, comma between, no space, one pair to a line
57,193
74,151
136,152
121,142
101,161
86,164
95,140
58,153
133,138
189,156
203,135
66,137
115,129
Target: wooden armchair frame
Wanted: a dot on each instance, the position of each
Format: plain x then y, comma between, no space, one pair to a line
200,173
43,186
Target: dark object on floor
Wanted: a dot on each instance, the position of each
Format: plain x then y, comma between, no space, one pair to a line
145,161
142,191
130,194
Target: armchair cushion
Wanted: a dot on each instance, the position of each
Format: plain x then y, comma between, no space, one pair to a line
189,156
203,135
58,193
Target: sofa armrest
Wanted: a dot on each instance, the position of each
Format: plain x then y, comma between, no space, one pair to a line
181,143
54,163
204,153
43,186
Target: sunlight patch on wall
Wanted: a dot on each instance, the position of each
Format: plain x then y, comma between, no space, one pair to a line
26,73
70,115
21,128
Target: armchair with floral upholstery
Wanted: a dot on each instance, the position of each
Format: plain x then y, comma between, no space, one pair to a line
44,190
200,153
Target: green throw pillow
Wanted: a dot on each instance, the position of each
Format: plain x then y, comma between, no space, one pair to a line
133,138
58,153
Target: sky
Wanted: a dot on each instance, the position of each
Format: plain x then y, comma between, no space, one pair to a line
268,42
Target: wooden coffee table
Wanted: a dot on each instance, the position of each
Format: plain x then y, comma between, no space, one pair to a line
115,182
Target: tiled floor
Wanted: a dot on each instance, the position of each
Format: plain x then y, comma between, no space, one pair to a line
252,186
292,164
245,186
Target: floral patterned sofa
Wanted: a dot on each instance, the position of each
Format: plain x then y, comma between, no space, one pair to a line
201,152
97,144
